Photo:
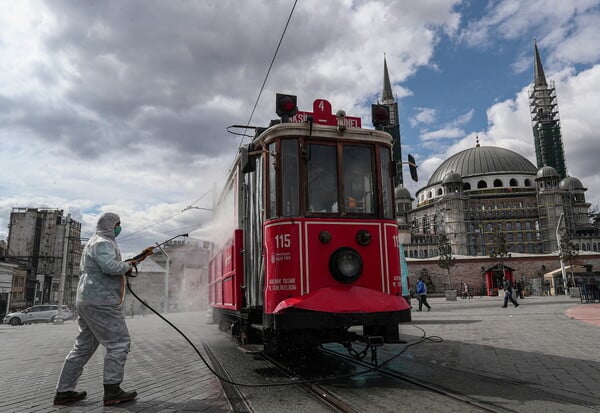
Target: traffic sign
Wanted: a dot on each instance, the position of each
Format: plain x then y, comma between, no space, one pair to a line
322,115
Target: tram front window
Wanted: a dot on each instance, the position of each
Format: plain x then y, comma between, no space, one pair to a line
359,180
321,169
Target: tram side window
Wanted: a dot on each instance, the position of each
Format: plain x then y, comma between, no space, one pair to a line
359,182
289,178
321,173
386,180
272,181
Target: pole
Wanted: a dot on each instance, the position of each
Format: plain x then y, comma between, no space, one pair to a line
166,278
63,272
558,240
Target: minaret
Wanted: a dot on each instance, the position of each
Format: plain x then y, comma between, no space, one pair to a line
387,99
545,119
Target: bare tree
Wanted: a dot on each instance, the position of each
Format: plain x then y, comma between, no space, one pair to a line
500,251
568,253
446,260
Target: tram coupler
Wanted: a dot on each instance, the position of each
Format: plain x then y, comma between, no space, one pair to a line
373,342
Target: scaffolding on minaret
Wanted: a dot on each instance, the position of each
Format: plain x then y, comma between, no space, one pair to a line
546,121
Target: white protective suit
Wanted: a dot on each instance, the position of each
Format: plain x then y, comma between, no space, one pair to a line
99,299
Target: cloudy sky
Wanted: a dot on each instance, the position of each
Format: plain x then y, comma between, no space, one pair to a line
123,105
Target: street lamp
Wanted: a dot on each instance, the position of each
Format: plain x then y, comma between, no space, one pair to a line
159,246
558,241
195,207
63,272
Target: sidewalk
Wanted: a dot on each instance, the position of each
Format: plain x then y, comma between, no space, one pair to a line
550,342
588,313
168,376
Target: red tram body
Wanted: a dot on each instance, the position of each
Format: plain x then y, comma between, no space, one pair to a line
305,241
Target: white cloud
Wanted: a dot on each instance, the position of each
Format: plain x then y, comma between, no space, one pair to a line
423,116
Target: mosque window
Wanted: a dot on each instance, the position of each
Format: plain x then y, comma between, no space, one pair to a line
429,194
595,246
513,182
498,183
527,182
481,184
439,191
583,246
466,186
426,224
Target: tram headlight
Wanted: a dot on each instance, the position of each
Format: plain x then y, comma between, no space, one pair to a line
345,265
363,237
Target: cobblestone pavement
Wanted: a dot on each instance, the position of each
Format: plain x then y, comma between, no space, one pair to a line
536,343
167,374
550,342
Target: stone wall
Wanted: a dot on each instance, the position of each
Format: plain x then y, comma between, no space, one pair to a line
471,270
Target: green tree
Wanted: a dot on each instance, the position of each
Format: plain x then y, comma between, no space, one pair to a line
568,253
446,260
500,250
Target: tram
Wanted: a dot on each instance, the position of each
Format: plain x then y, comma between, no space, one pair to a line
305,244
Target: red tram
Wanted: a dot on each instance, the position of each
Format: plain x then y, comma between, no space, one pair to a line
305,241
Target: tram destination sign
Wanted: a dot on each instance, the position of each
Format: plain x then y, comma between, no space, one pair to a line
322,115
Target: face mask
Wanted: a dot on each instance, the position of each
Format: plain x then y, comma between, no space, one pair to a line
117,230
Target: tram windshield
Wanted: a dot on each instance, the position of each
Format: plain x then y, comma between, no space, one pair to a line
329,178
358,183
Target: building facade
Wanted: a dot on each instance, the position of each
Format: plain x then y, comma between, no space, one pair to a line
484,191
37,241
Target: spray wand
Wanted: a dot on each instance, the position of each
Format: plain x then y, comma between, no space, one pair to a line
146,252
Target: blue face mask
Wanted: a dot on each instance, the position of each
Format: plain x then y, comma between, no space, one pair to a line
117,230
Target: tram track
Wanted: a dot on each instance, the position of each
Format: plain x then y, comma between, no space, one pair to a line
432,387
323,390
238,402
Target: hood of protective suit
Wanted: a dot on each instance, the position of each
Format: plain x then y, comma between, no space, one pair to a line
106,225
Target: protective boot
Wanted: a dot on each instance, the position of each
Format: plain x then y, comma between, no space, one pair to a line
113,394
68,397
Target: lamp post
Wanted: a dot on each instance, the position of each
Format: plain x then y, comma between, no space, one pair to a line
63,272
166,278
558,241
159,246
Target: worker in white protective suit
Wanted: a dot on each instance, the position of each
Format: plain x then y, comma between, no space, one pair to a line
99,302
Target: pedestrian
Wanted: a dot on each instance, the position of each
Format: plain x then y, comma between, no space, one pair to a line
422,295
99,302
466,291
519,290
508,293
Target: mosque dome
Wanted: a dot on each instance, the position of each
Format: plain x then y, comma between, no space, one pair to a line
402,193
570,183
482,160
452,178
546,172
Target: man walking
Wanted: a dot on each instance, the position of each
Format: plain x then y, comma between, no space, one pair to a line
422,293
508,293
101,321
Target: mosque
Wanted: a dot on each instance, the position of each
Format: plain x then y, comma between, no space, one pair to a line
485,190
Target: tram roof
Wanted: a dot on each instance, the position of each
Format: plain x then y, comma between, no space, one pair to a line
322,132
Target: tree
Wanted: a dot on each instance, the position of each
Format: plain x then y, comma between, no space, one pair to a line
500,251
446,260
568,253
